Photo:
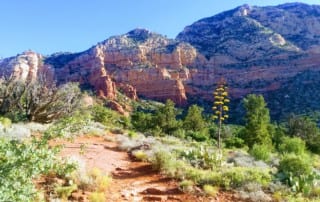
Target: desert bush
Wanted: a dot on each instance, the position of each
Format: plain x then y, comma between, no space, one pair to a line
210,190
64,192
107,116
294,165
255,196
307,130
292,145
69,126
97,197
238,176
140,155
200,156
179,133
16,132
142,121
92,180
234,142
5,122
186,185
21,162
260,152
242,159
40,101
199,136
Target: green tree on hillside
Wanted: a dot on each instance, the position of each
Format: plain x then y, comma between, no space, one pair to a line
307,130
257,121
165,118
194,120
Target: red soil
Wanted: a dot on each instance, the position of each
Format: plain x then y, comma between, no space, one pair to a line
131,181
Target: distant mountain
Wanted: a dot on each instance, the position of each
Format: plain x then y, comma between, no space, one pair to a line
274,51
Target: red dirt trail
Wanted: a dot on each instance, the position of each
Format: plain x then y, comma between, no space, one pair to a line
131,181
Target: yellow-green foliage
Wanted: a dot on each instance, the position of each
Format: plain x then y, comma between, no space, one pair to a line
5,122
186,185
315,192
94,180
220,107
97,197
101,181
64,192
210,190
140,155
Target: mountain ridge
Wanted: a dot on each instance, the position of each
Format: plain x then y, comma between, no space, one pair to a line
255,49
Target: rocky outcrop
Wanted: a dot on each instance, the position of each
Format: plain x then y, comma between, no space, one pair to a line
137,63
255,49
24,66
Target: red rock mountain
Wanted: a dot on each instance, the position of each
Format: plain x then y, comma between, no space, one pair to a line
271,50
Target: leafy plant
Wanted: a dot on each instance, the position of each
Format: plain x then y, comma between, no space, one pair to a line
210,190
294,165
186,185
292,145
21,162
64,192
260,152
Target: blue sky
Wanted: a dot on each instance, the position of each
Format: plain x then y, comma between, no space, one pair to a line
49,26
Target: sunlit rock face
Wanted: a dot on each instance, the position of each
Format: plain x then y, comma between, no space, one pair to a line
266,50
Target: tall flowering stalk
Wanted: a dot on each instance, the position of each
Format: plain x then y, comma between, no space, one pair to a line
220,107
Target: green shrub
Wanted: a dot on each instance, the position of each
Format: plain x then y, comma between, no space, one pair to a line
201,156
142,121
180,133
108,117
198,136
260,152
21,162
211,190
132,134
293,165
5,122
68,126
64,192
292,145
194,120
234,177
140,155
234,142
186,185
238,176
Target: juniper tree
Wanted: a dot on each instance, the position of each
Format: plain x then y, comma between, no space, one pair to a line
257,121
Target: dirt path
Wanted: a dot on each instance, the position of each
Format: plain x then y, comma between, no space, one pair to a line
131,181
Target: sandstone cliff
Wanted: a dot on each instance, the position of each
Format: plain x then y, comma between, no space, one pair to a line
267,50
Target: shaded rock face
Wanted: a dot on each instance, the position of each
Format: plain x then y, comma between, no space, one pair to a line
255,49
